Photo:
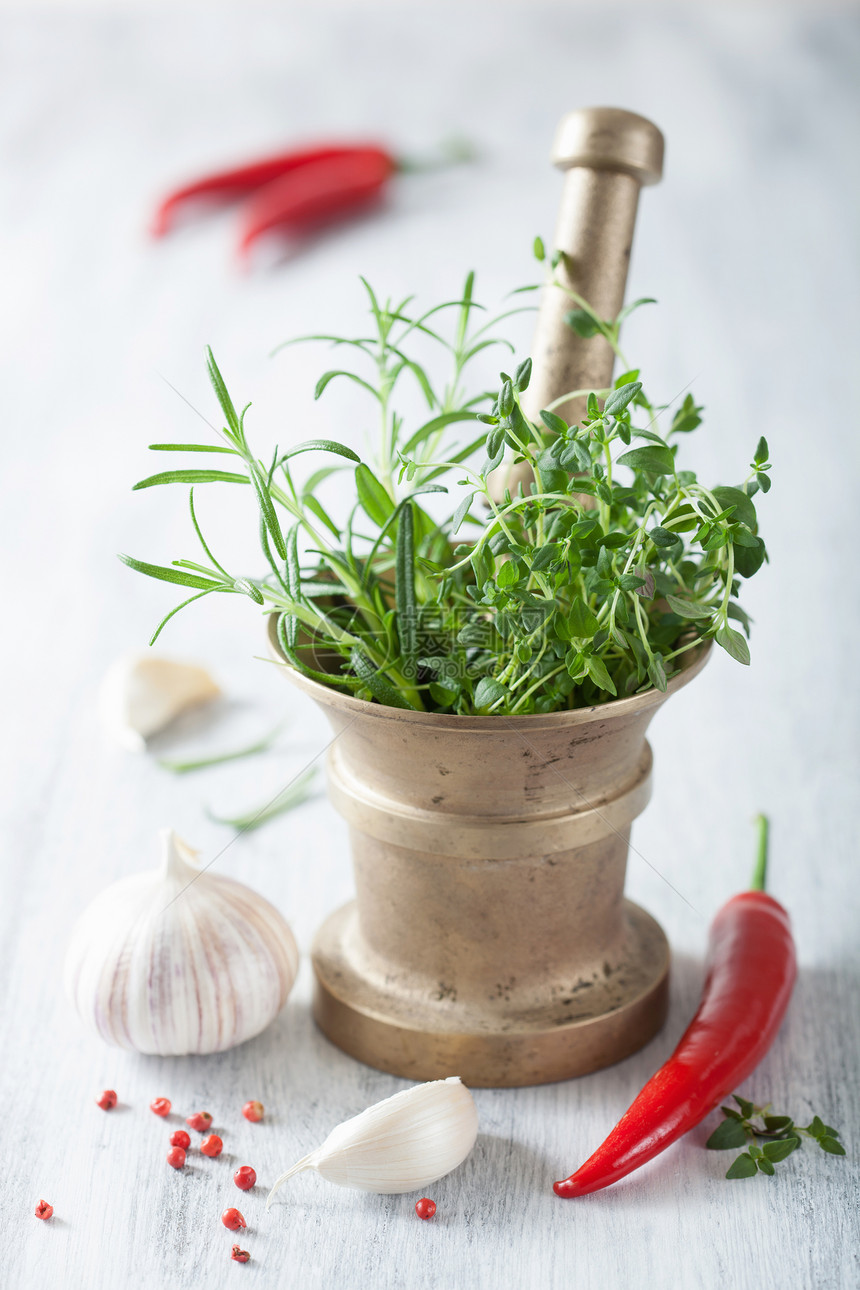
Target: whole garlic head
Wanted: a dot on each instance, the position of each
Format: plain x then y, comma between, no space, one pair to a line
400,1144
143,693
178,960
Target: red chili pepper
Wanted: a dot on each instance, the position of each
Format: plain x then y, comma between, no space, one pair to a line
226,185
316,194
751,972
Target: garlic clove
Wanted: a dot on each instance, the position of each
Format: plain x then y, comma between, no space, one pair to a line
400,1144
179,960
142,693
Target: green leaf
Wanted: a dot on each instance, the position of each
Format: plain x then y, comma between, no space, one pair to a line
247,588
267,510
765,1166
404,591
461,512
321,445
761,452
817,1128
619,399
777,1151
439,423
316,508
381,689
538,249
728,1135
508,575
777,1123
375,499
687,609
748,560
488,691
831,1145
663,537
554,423
651,459
747,1108
744,512
221,394
191,477
657,673
687,417
327,377
545,555
743,1167
193,447
172,575
733,643
523,375
581,620
218,759
626,378
637,304
287,800
582,323
599,674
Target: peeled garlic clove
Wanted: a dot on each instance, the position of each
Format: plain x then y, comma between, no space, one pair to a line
398,1145
179,960
142,694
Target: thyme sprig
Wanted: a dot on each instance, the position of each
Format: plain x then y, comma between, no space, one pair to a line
592,584
778,1135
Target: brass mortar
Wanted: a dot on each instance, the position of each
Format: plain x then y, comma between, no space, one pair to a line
490,937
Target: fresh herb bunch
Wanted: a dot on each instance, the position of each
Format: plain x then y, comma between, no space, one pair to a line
594,584
778,1134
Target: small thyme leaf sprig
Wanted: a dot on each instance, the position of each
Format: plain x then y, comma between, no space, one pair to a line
779,1135
592,583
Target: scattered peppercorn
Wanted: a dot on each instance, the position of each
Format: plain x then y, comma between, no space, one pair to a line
212,1146
233,1219
244,1178
200,1121
44,1210
161,1106
425,1208
241,1256
253,1111
176,1157
107,1099
179,1138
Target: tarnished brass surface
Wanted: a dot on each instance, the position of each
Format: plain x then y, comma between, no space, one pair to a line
607,155
489,937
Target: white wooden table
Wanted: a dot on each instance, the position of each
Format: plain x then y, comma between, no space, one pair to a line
749,244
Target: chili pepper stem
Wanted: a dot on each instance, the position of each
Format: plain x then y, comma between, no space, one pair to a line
451,152
759,878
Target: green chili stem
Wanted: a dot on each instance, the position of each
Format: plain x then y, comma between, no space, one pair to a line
760,872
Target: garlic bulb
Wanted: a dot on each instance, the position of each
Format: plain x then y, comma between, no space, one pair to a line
142,694
398,1145
177,960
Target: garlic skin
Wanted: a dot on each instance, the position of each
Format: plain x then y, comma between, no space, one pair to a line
400,1144
141,694
179,960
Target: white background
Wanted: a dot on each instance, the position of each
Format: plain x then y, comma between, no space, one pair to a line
750,246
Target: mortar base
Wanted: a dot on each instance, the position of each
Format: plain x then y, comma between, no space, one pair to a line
418,1029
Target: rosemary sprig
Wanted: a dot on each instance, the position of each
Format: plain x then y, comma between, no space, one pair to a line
179,767
288,800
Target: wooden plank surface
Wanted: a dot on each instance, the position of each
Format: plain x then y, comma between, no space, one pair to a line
750,245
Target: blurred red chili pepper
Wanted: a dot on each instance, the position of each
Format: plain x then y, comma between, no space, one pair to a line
751,972
317,194
230,184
